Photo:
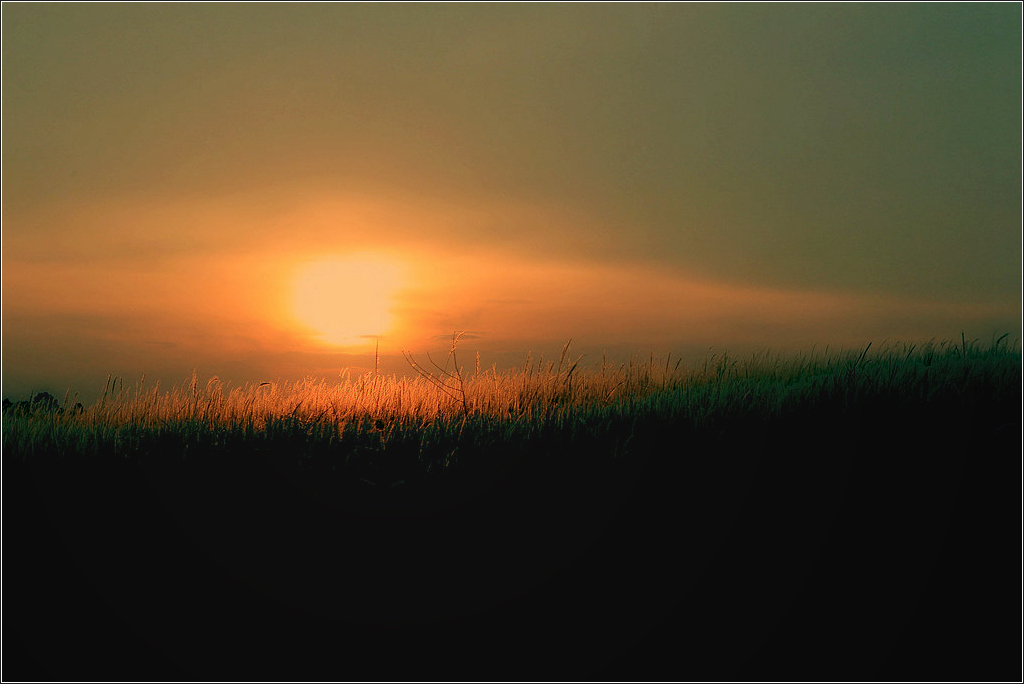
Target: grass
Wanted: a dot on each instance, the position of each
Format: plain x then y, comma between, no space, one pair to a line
410,426
835,515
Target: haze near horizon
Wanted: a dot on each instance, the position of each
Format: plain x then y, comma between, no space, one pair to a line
263,191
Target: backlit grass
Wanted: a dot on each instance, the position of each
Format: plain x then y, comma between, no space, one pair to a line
432,421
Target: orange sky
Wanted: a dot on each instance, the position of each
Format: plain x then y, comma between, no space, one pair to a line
832,175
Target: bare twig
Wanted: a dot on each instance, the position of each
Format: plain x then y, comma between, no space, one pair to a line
456,336
452,384
430,377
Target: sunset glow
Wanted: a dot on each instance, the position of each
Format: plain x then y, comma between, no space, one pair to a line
346,299
635,177
352,337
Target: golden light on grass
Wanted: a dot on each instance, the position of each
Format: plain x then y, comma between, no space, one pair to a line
344,300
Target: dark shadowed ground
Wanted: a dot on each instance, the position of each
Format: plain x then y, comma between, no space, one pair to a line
820,546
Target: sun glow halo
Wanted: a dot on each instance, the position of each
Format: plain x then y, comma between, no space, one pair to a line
347,299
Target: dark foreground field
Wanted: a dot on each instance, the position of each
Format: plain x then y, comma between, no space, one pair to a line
846,527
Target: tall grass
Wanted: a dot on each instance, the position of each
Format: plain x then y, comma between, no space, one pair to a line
448,408
838,491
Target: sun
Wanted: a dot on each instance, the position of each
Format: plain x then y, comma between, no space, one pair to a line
345,300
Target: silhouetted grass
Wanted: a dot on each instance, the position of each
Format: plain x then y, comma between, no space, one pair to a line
392,429
831,516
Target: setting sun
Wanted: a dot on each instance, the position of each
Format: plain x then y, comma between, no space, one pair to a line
346,299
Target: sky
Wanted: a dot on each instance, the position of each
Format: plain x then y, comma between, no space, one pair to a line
267,191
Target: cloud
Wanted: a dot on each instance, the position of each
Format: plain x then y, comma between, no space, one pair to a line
462,334
640,303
